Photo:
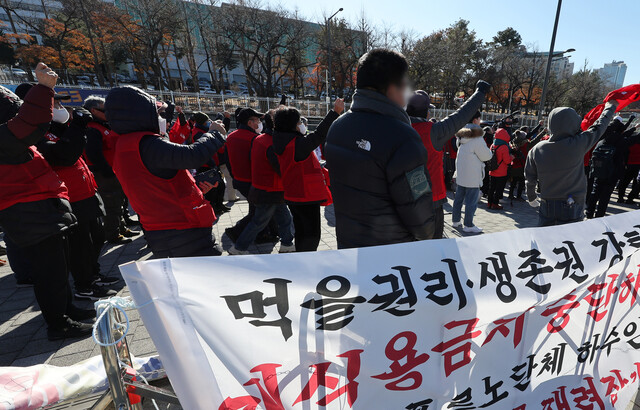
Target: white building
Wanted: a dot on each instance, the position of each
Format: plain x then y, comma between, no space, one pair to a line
613,74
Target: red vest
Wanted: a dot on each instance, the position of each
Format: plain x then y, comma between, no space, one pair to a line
109,139
634,155
78,178
303,181
160,203
29,182
262,174
239,150
434,161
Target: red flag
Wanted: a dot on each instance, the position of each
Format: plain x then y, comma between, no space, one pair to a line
624,96
591,117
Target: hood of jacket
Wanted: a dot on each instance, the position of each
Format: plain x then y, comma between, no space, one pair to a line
564,122
9,104
282,138
373,101
501,137
129,109
470,131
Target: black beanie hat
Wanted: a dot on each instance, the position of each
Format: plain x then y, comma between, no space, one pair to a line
286,119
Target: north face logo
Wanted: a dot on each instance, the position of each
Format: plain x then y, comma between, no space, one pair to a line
364,144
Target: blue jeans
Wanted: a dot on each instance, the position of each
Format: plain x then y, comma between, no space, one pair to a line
261,217
470,198
559,212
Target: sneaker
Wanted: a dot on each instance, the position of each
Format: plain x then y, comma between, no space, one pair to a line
94,293
102,280
70,329
457,224
498,207
119,240
129,233
287,248
77,314
234,251
472,229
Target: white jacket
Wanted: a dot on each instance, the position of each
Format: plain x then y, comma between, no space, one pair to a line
472,154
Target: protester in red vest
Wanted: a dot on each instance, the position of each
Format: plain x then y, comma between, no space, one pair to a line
631,172
201,125
303,179
101,146
498,176
176,218
180,132
434,137
62,147
267,195
34,206
239,163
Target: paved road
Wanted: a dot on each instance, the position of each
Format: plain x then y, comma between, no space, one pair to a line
23,338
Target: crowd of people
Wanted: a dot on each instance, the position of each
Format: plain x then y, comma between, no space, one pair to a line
70,176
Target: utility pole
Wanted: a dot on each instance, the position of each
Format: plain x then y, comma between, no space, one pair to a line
329,52
549,60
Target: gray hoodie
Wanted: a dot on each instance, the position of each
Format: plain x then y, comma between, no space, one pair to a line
558,163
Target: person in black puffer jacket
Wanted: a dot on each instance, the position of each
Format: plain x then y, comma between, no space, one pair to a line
34,206
176,218
377,162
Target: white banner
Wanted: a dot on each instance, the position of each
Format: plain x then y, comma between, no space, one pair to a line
543,318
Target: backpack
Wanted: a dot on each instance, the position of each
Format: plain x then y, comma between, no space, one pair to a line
493,163
602,162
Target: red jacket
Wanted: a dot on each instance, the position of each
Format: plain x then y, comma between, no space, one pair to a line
502,154
239,150
109,138
434,160
78,178
520,160
263,176
161,204
303,181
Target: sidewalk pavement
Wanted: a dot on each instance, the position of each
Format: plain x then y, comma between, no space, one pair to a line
23,339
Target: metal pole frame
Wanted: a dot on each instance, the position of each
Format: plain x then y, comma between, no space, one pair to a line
549,61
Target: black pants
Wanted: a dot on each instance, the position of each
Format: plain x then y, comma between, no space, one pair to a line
517,182
630,176
85,244
496,189
50,276
438,219
20,264
114,199
599,198
587,172
181,243
306,220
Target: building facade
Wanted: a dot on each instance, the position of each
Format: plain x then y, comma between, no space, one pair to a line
613,74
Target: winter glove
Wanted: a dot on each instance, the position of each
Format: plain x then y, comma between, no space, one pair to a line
483,86
81,117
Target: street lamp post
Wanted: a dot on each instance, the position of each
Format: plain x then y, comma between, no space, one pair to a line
549,60
329,51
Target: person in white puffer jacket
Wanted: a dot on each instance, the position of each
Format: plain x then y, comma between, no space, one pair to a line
472,154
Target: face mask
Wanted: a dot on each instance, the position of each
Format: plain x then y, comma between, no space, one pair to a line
407,95
260,127
162,125
302,129
60,115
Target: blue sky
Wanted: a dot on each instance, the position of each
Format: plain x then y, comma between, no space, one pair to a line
600,31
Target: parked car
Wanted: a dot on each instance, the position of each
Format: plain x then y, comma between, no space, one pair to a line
208,91
229,92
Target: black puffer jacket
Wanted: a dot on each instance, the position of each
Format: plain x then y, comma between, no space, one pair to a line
23,125
379,181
